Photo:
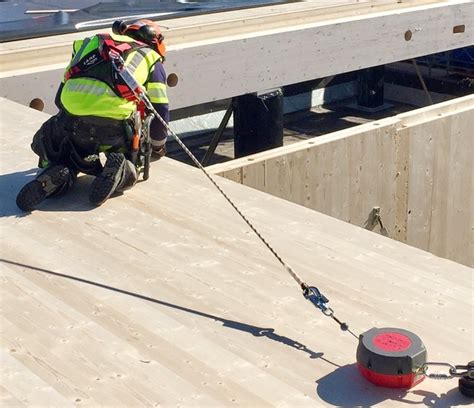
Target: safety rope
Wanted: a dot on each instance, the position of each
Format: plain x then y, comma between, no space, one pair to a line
310,293
290,270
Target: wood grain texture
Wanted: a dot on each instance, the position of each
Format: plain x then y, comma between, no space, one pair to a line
417,167
243,53
444,172
56,49
164,297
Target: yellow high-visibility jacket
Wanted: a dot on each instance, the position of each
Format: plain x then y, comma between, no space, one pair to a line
87,96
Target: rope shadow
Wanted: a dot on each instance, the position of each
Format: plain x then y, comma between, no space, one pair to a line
255,331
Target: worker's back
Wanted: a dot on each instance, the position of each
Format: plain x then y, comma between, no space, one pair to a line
91,93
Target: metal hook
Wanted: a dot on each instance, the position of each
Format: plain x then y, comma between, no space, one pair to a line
313,294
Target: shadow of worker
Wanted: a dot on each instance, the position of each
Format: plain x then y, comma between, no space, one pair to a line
345,387
76,198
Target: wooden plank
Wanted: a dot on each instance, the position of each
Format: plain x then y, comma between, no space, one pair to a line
339,169
371,183
308,49
443,137
460,192
168,298
389,178
402,150
451,235
8,400
16,391
221,77
427,113
310,170
441,172
420,187
254,175
56,49
234,175
322,176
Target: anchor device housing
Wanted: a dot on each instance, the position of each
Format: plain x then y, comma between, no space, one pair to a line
391,357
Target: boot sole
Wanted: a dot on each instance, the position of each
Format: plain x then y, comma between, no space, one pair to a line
44,186
104,185
30,196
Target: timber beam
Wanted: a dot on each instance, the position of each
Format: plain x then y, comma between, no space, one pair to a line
277,50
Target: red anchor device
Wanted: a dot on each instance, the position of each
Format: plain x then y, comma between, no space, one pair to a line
391,357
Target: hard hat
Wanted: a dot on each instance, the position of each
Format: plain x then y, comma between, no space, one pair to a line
143,30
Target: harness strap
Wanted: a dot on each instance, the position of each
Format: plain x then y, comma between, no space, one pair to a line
89,65
77,55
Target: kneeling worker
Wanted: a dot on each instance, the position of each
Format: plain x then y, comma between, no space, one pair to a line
97,114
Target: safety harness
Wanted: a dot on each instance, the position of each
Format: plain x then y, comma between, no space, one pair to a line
96,64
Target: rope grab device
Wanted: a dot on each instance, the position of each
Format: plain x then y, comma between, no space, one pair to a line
387,357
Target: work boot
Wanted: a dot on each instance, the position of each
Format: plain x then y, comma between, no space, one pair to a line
107,182
129,177
54,180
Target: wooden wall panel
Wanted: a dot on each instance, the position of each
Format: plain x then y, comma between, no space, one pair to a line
400,202
417,167
420,186
440,187
460,214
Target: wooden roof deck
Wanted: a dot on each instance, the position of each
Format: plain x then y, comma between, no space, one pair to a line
164,297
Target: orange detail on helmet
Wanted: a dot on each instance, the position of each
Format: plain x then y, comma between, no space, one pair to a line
148,32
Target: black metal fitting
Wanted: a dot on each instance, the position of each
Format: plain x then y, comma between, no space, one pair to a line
466,382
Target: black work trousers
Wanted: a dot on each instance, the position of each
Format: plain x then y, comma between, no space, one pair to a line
75,141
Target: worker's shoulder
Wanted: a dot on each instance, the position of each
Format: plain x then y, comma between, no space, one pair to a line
91,41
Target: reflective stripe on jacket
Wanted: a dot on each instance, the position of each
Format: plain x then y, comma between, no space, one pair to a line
84,96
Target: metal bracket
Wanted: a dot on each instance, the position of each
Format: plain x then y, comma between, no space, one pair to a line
374,219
